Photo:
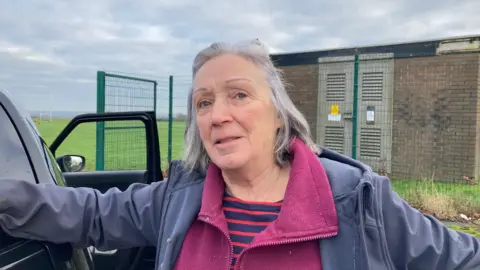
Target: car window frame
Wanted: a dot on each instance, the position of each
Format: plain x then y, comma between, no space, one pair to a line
55,172
34,177
52,164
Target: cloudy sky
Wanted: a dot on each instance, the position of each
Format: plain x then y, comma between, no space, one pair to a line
53,48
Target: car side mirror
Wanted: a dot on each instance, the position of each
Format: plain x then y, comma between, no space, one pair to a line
71,163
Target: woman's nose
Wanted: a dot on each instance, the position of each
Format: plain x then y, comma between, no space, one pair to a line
221,112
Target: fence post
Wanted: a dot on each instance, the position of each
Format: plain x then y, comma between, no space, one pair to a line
170,117
355,108
155,97
100,138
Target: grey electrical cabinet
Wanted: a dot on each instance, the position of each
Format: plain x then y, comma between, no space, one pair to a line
375,75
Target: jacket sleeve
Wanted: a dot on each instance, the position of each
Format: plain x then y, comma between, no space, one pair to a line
82,216
418,241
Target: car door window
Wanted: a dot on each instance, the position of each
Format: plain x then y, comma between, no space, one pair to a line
14,161
108,145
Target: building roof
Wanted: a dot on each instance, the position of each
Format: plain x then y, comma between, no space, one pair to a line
400,50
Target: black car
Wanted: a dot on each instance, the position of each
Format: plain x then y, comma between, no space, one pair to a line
25,155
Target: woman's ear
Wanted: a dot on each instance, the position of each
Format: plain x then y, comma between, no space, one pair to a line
280,124
279,121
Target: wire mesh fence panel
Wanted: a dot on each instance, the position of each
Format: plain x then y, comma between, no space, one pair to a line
126,93
435,135
125,145
415,120
412,119
118,143
163,106
180,87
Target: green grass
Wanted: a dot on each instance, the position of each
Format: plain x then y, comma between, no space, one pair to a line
474,231
124,149
443,199
408,188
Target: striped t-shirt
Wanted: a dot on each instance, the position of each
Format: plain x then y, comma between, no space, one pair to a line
246,219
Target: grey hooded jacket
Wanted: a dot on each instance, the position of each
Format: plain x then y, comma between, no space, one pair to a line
377,229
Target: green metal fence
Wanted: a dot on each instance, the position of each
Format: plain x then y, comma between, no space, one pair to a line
180,86
119,145
413,119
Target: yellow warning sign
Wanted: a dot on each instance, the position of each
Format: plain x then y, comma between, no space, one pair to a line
334,109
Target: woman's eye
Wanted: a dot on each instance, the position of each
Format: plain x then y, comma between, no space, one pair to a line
203,104
240,95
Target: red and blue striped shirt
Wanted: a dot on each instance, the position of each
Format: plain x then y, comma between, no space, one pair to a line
247,219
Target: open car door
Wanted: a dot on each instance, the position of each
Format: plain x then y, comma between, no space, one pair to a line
128,144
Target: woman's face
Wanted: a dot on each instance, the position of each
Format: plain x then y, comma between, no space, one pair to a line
235,114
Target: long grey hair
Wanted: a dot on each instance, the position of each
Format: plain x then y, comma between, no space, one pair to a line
294,123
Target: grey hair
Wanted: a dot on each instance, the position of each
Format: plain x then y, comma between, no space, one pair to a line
294,122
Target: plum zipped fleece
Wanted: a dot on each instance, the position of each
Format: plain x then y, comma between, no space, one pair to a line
290,242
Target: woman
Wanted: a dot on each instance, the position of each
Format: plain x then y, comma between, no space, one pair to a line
253,192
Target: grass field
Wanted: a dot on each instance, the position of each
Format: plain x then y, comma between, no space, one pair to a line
124,149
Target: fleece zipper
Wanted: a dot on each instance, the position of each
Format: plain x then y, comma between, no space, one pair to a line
282,242
226,234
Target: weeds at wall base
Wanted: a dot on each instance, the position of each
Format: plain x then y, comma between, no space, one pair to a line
457,202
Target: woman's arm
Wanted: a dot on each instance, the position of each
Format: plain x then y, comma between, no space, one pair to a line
417,241
82,216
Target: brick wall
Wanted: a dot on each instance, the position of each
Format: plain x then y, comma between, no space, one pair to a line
302,86
435,117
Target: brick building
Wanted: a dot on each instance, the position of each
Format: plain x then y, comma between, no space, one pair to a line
418,104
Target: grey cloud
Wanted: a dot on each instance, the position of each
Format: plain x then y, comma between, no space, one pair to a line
56,47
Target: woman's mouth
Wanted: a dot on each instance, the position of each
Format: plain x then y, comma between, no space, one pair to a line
226,140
